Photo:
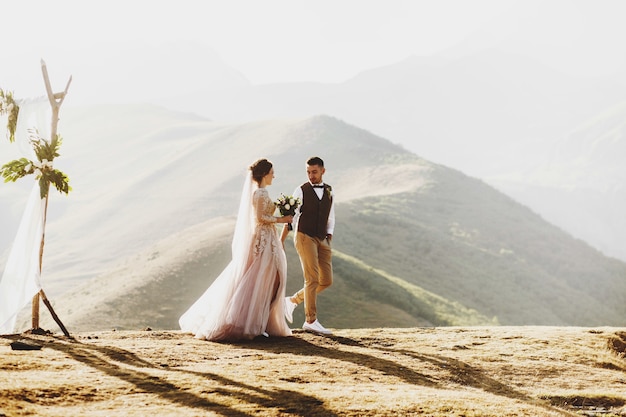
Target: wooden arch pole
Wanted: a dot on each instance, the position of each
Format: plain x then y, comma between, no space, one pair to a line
56,99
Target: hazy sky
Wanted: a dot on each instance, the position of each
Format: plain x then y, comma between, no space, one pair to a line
288,40
268,41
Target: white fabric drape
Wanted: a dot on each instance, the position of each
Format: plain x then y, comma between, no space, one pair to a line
21,279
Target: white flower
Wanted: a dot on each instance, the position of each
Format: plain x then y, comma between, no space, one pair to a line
287,206
28,167
38,173
292,202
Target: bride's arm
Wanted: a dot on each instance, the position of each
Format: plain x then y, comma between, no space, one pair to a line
261,202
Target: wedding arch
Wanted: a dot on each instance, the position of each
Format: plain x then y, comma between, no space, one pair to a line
39,143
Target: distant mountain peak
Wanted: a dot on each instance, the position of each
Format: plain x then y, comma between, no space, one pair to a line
369,146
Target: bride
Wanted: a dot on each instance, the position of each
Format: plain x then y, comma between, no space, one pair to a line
247,299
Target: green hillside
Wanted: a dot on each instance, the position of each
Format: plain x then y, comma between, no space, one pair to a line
466,242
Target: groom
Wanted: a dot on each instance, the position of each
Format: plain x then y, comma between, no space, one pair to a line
314,223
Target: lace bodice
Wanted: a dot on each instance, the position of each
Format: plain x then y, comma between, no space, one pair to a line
265,228
264,207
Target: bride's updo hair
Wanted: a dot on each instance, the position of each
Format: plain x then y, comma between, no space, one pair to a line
260,169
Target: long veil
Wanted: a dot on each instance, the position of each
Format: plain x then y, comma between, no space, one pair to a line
244,228
211,306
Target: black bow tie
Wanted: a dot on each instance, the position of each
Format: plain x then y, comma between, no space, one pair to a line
318,186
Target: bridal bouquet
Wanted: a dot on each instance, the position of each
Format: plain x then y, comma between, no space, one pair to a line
287,204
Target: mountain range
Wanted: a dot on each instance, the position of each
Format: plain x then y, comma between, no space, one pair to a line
149,221
500,108
497,113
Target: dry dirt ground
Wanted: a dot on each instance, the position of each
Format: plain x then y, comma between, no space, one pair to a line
470,371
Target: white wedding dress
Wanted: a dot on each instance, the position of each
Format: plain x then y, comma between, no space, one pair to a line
247,298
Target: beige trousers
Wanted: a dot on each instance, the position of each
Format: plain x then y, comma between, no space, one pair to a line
317,268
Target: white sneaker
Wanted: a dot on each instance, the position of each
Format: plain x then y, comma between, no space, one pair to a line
315,327
289,307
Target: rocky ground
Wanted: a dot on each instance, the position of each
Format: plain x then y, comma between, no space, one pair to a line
473,371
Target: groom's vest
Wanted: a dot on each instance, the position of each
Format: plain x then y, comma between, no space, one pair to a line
314,212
